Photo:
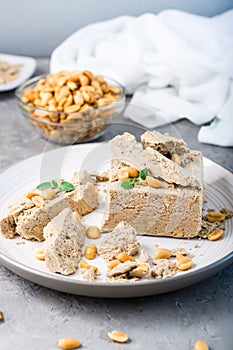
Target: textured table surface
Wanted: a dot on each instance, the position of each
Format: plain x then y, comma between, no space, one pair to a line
35,317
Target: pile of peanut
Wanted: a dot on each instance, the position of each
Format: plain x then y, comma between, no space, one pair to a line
72,99
8,72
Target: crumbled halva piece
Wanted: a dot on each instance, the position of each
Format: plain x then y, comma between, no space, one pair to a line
178,250
64,238
82,177
164,143
30,222
88,274
84,199
144,256
122,268
164,268
121,240
8,222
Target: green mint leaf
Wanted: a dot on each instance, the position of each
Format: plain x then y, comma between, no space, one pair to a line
66,186
127,185
136,179
143,174
44,185
54,184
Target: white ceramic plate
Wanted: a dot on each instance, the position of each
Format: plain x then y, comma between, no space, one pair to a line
209,257
27,69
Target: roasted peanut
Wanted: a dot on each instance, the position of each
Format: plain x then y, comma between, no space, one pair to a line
151,181
93,232
215,235
90,251
118,337
84,265
214,216
38,201
1,316
200,345
40,254
139,271
183,263
163,253
123,257
123,175
113,263
29,195
68,343
133,172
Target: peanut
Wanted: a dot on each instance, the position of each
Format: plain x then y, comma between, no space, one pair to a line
38,201
200,345
215,235
133,172
90,251
113,263
151,181
1,316
29,195
214,216
183,263
163,253
123,175
68,343
93,232
123,257
176,158
118,337
139,271
40,254
84,265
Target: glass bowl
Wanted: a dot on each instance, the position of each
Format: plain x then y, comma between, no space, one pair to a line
70,127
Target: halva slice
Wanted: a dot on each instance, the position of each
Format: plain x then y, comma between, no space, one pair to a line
169,201
64,238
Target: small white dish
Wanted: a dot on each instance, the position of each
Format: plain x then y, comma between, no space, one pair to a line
25,72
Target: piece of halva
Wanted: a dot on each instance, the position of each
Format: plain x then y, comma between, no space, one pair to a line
121,240
173,209
64,238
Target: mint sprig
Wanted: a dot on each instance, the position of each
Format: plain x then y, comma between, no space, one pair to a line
64,187
44,186
129,184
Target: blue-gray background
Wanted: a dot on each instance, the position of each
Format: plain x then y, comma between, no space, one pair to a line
36,27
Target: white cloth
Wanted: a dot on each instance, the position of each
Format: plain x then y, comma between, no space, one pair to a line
178,64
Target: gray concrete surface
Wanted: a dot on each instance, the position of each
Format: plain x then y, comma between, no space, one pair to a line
35,28
35,317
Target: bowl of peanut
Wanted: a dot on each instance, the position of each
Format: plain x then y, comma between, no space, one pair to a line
71,106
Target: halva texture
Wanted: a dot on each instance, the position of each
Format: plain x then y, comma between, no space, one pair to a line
168,202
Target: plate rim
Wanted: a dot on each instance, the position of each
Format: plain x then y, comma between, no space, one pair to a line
30,62
7,261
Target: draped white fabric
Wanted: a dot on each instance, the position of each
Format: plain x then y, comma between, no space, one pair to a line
179,64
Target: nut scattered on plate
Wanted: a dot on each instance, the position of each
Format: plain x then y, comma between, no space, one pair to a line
68,343
8,72
118,337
